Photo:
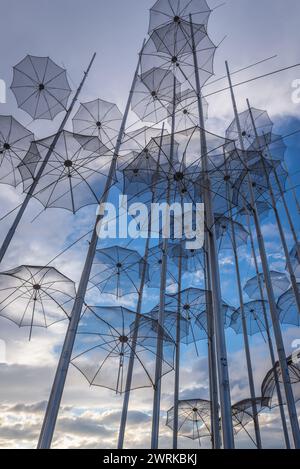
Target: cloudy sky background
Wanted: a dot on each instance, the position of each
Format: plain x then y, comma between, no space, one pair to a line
69,31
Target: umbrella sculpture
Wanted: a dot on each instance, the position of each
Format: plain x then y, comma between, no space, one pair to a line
104,345
33,296
40,87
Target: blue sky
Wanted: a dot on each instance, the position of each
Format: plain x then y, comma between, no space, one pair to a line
69,31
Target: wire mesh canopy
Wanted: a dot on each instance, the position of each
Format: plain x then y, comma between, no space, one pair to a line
263,126
187,112
289,312
192,300
194,418
117,271
192,259
40,87
33,296
162,51
268,387
98,118
15,142
255,313
170,323
167,12
262,177
242,411
271,146
280,284
137,140
226,229
202,320
153,92
263,209
107,337
75,174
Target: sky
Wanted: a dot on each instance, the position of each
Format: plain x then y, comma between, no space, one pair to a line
70,31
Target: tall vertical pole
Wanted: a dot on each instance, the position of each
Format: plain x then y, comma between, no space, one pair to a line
177,350
270,343
212,366
14,226
163,286
270,292
222,362
244,325
278,221
246,343
139,310
66,353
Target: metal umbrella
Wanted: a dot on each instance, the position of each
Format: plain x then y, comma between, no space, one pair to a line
104,345
75,174
33,296
98,118
193,418
15,142
41,87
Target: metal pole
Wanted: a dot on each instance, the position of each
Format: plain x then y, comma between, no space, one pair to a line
246,341
244,325
177,351
65,357
268,281
139,310
213,378
161,315
14,226
278,221
225,400
270,344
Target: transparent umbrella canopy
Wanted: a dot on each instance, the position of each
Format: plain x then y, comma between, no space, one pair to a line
15,141
98,118
192,301
170,323
242,411
192,259
194,418
268,387
33,296
117,271
75,175
137,140
153,93
201,321
271,146
289,312
280,283
166,12
162,51
224,233
41,87
254,313
187,113
107,337
263,126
